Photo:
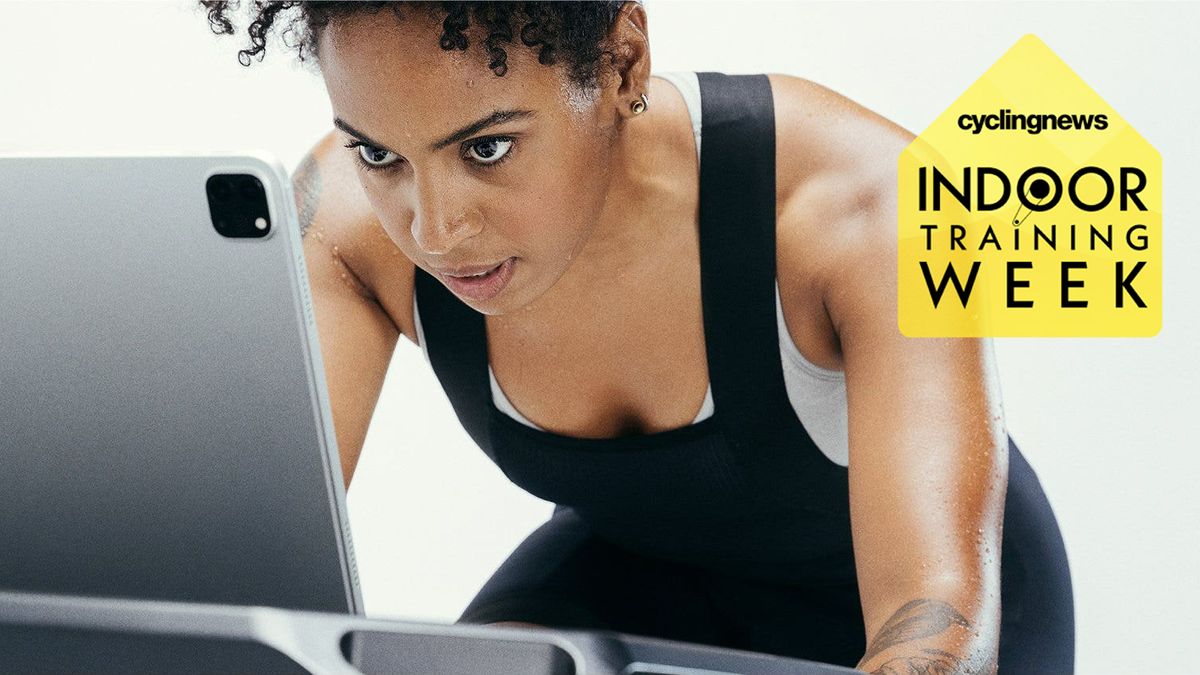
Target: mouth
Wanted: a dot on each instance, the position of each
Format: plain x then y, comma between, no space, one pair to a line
483,284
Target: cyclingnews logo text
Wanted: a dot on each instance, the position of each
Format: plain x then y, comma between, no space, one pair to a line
1007,120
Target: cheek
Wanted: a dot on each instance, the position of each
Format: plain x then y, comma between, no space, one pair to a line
396,224
534,226
562,207
551,222
397,227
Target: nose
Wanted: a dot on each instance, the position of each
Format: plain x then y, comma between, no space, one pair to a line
442,217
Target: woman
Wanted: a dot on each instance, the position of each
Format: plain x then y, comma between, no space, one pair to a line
589,255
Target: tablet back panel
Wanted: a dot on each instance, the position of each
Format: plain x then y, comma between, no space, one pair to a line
164,426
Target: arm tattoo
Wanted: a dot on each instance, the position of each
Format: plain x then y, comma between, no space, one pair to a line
917,619
306,183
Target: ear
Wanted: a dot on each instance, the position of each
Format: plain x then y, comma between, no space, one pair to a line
630,56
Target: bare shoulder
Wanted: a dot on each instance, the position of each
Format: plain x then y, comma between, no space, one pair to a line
337,220
836,184
834,158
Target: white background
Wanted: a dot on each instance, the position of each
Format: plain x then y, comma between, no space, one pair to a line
1106,423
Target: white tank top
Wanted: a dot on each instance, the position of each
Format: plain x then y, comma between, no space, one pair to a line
818,395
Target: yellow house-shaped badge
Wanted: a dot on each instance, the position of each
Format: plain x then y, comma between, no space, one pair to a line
1030,208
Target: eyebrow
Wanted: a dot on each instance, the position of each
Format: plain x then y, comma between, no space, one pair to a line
497,117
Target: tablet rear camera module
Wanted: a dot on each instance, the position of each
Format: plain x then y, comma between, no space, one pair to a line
237,203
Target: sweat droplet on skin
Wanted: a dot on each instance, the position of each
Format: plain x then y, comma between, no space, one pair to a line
580,100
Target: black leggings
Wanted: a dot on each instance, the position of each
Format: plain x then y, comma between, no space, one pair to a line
565,576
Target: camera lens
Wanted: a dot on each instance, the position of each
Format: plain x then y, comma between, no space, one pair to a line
251,189
220,190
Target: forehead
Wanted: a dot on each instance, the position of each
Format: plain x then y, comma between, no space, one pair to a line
391,79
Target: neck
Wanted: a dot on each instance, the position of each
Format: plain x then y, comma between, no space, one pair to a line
651,189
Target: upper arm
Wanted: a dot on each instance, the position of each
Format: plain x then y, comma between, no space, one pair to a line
928,462
356,333
928,448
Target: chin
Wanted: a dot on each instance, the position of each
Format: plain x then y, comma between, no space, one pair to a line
489,310
507,302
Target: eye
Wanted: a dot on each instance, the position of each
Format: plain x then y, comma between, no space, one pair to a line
372,158
489,151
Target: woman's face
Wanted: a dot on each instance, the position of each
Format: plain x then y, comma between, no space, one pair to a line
529,186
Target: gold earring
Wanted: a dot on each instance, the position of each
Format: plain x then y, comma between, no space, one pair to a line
638,107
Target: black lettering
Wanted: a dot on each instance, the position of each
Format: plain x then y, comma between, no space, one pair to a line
1040,205
921,189
982,204
1014,283
929,236
1124,284
935,293
957,232
1130,193
1073,188
1068,283
989,236
1038,233
1097,234
1142,241
940,181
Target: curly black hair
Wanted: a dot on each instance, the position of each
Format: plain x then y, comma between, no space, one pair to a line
575,31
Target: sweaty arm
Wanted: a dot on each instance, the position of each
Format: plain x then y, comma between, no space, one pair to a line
928,460
357,336
928,450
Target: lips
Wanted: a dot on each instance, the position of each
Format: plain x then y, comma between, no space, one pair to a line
468,270
486,285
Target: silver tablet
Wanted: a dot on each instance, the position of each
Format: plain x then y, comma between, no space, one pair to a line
165,430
